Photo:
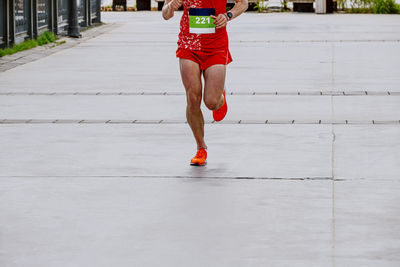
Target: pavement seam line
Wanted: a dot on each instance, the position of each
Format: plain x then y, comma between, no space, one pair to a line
333,157
175,177
164,121
237,93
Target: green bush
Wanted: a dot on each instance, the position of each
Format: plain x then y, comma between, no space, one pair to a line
370,6
46,37
386,7
260,6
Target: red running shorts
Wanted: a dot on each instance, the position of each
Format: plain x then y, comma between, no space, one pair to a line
205,59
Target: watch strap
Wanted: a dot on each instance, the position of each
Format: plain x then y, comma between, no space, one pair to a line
227,15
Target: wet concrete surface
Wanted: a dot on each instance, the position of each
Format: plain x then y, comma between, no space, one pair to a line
320,191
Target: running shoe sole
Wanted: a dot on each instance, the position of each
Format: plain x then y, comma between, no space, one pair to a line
197,164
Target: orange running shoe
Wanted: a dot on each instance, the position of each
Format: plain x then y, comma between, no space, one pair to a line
200,159
220,113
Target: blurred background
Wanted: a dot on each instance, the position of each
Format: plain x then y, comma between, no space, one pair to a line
319,6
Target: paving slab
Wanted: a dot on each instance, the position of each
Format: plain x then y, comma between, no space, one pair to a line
360,108
160,107
367,66
173,222
367,152
280,67
367,224
264,151
308,27
84,69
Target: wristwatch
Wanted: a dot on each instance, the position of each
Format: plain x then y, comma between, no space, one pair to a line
229,15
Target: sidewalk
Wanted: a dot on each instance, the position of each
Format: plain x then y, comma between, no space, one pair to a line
304,171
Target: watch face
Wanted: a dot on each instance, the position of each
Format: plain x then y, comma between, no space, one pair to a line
229,15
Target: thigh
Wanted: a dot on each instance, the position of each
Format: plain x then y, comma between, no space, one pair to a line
214,81
191,76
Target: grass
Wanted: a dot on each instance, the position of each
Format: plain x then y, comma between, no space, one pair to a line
45,38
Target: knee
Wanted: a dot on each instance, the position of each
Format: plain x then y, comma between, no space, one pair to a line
193,101
211,103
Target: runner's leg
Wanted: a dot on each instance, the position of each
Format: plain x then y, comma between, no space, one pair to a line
191,78
214,83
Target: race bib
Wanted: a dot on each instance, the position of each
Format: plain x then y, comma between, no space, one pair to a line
200,20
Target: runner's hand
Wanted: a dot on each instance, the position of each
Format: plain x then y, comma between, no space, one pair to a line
175,4
220,21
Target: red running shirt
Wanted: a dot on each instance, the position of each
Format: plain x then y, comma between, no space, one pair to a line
202,42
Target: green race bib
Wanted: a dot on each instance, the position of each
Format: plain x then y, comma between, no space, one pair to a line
200,20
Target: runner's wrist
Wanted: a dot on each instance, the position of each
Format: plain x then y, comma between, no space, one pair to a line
228,16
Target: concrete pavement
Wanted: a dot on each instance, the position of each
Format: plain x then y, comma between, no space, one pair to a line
95,149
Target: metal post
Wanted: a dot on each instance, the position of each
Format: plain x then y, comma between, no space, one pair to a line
6,24
51,16
34,19
55,16
98,17
73,27
11,21
85,17
89,12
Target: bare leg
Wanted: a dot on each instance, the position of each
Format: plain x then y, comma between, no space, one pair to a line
214,78
191,78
